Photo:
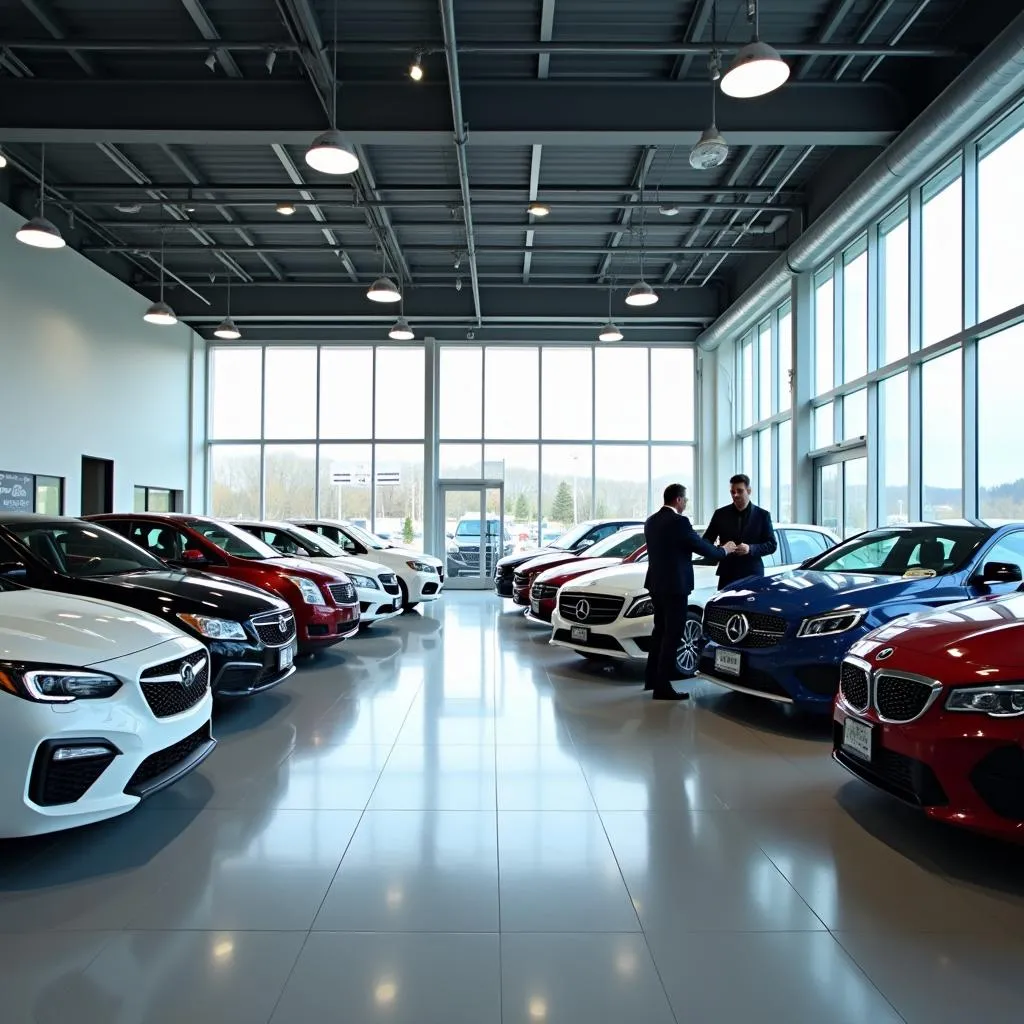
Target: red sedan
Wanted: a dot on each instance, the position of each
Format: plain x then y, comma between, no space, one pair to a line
931,710
324,600
544,592
616,547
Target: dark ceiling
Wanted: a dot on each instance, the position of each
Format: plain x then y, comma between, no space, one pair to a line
201,111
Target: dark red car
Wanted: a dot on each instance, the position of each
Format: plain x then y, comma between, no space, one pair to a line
615,546
544,591
324,600
931,710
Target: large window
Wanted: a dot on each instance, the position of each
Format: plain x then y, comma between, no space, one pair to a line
785,358
824,334
894,290
942,437
1000,455
855,315
1001,227
622,394
894,449
942,260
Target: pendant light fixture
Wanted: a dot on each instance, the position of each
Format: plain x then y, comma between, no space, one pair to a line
384,289
610,332
416,68
711,150
160,313
38,231
285,209
331,152
3,160
401,331
757,69
226,329
641,294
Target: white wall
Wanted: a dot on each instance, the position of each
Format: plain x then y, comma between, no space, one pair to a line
81,373
717,434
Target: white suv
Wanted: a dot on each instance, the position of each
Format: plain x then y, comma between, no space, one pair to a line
420,577
100,706
608,613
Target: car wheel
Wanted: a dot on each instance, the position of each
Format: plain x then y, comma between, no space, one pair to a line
407,605
690,647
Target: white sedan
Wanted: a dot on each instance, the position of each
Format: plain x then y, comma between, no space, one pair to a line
420,576
100,706
608,613
377,587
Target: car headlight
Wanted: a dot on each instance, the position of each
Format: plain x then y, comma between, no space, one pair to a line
640,608
832,623
364,582
214,629
997,701
309,590
453,549
51,685
417,566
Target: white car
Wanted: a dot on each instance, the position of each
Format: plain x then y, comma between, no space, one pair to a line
608,613
100,706
420,577
380,596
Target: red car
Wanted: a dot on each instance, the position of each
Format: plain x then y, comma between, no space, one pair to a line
931,710
616,546
544,592
324,600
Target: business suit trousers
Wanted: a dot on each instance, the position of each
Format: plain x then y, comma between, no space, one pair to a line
670,612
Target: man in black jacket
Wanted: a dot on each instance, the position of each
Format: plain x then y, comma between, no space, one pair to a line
671,544
748,527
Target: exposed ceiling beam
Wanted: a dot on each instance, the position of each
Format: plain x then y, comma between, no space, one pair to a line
197,12
875,18
639,179
44,13
695,28
547,26
490,332
836,16
556,112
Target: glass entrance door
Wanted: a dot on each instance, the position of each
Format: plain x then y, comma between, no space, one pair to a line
841,494
475,534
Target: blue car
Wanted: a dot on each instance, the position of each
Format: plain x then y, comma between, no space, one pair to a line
783,637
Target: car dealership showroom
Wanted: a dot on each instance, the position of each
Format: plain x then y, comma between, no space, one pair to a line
511,511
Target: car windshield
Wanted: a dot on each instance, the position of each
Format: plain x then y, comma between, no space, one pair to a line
364,537
234,541
83,549
572,537
904,551
618,545
315,543
471,528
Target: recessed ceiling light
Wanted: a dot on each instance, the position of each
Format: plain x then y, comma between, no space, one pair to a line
401,331
331,153
610,333
641,294
128,207
756,71
41,234
416,68
161,314
285,209
539,209
384,290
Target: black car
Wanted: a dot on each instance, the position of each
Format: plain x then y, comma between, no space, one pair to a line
250,634
578,539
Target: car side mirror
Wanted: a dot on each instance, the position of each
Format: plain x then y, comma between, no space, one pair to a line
191,556
1000,572
13,570
583,545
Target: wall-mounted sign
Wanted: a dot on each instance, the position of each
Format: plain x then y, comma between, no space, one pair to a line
17,492
362,479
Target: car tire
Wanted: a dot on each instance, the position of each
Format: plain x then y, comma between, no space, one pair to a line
690,647
407,605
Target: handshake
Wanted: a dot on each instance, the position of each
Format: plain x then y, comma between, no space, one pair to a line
732,548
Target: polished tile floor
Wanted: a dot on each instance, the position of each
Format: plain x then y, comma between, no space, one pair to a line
448,821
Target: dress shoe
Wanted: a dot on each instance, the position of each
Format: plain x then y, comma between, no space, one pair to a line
648,686
672,695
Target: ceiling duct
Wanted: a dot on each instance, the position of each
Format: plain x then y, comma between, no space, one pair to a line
993,80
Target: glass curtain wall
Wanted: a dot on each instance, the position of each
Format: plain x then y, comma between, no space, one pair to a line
576,432
917,327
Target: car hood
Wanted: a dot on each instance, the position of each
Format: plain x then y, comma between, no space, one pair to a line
977,641
547,560
617,579
314,571
798,593
560,574
350,564
516,560
407,554
58,629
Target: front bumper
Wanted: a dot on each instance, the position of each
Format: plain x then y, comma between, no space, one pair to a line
145,753
521,593
323,625
962,769
503,585
423,586
541,611
376,604
626,639
242,668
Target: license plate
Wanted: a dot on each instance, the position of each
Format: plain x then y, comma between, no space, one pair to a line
580,633
285,657
857,738
728,662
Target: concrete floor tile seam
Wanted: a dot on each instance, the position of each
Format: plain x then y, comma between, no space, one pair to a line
291,972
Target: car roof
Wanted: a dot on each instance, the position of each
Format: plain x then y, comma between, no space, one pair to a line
33,519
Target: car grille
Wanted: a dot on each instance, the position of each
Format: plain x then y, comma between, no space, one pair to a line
164,687
166,760
764,630
343,593
521,579
597,610
64,782
543,591
904,777
504,572
268,628
898,699
853,684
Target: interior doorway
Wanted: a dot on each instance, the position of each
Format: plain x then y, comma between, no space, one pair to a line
475,534
97,486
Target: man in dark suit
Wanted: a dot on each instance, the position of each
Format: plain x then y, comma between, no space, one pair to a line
671,544
748,527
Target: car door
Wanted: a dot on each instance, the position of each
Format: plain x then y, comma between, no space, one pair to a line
797,546
1008,549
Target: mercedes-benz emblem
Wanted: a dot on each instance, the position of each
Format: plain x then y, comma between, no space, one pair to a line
882,655
582,609
188,675
737,628
282,623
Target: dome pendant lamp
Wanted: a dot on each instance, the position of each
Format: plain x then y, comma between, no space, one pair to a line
610,332
331,152
384,289
160,313
39,232
711,150
757,69
226,329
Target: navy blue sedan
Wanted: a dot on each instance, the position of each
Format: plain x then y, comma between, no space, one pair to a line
783,637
